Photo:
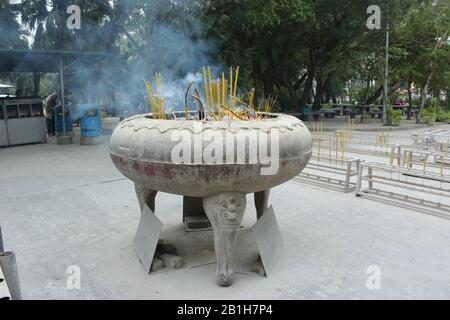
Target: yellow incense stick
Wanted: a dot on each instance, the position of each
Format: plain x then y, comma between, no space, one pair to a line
210,89
232,112
337,145
318,152
150,95
231,89
224,90
236,82
205,84
329,147
218,98
251,98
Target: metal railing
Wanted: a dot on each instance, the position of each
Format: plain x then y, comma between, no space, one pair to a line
330,173
419,190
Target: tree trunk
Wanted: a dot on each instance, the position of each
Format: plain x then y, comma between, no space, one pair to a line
366,94
307,89
448,100
409,113
255,82
36,83
318,95
267,75
19,87
423,93
293,98
379,91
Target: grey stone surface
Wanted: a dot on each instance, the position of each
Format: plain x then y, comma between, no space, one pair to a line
143,150
91,140
70,206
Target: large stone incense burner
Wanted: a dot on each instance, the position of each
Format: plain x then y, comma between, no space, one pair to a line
218,161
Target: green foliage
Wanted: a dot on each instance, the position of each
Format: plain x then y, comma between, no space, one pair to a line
435,113
443,116
428,116
304,51
11,36
395,117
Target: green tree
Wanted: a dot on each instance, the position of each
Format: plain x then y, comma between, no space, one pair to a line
424,39
10,29
263,37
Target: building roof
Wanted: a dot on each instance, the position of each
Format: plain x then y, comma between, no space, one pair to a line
18,60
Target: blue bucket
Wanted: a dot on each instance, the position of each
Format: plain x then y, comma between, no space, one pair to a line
90,120
58,118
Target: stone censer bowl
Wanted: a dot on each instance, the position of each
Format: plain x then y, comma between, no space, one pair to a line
218,161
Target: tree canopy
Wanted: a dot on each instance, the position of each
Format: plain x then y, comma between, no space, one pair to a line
306,52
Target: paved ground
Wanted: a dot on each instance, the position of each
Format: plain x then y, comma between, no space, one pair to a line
64,206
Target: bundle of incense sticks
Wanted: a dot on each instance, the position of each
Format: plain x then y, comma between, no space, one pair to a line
156,102
220,98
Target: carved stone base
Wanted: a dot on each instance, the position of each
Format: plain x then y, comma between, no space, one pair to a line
225,211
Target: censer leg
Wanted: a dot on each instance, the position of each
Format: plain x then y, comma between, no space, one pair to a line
145,196
225,212
261,202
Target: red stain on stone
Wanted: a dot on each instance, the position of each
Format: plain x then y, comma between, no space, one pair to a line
154,169
146,168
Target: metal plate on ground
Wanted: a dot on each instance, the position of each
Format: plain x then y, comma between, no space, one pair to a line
269,240
4,291
147,237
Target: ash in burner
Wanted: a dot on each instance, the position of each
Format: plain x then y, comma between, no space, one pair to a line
194,115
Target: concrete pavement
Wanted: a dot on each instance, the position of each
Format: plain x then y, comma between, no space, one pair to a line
65,206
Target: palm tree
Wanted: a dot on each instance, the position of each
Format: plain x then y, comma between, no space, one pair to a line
10,30
47,18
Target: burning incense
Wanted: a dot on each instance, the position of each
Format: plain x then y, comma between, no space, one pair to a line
214,105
